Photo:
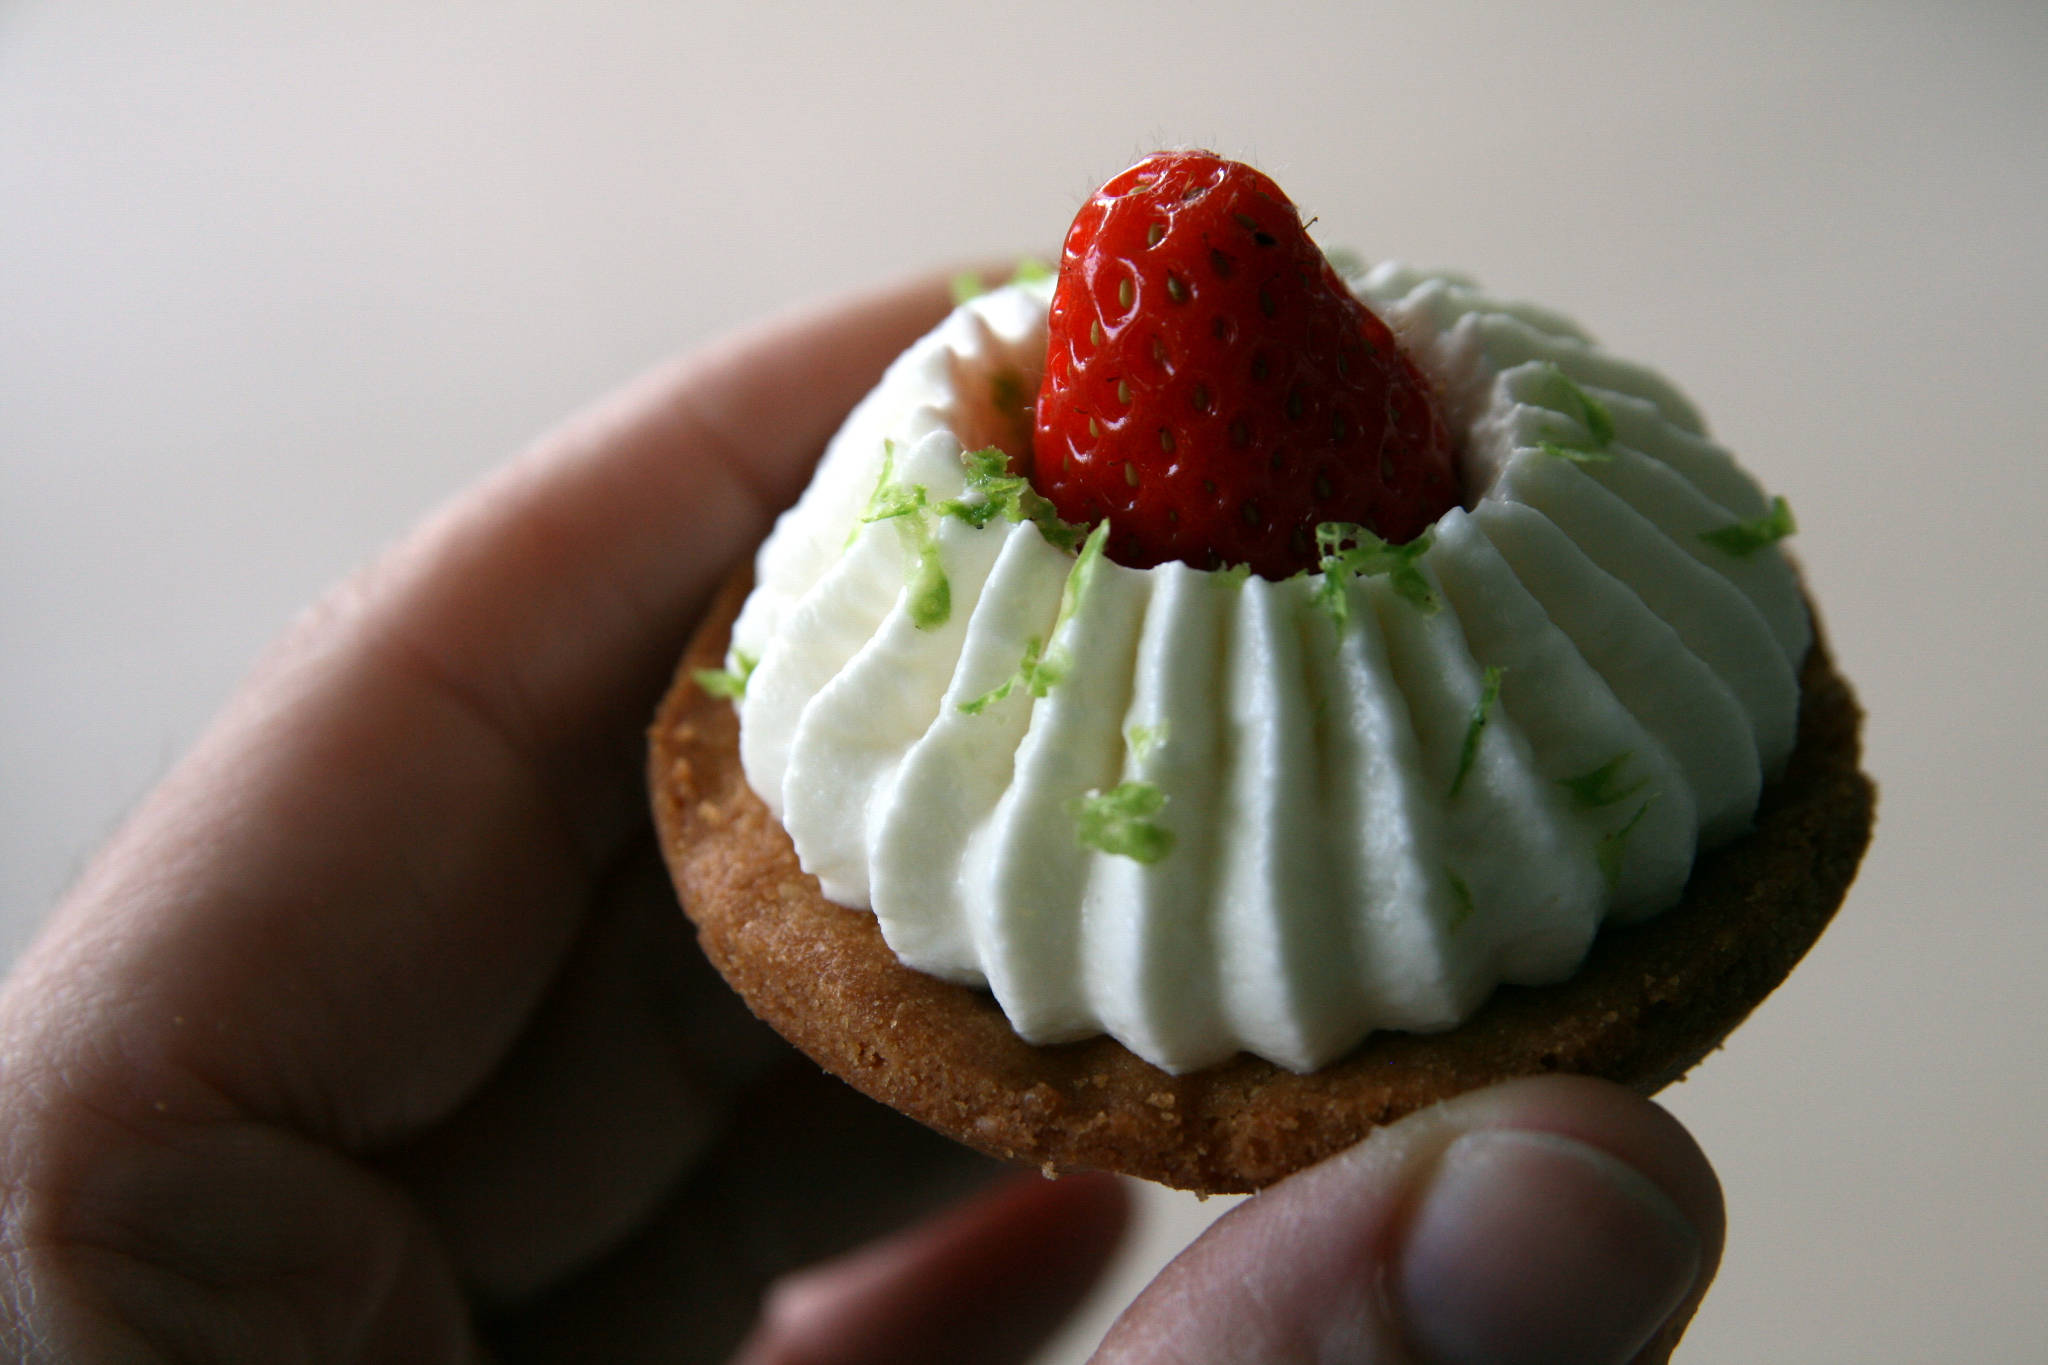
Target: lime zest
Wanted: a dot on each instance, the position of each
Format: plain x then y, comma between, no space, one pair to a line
1145,740
882,502
1609,849
728,683
930,602
1602,786
1462,895
1026,670
988,475
1594,414
1745,538
1041,670
1233,575
999,493
1119,822
1576,454
1591,413
1006,389
898,500
1350,551
968,285
928,594
1059,658
1468,752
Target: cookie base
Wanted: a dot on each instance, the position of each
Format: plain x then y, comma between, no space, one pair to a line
1649,1002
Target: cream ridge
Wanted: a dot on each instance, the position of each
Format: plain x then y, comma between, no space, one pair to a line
1205,812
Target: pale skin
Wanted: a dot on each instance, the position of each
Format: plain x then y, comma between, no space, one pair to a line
376,1035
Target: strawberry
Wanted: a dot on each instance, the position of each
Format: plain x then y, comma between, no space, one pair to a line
1213,389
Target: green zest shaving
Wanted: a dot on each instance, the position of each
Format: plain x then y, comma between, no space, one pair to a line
996,492
1576,454
1366,556
889,499
1593,415
1602,786
992,491
1144,740
930,595
1007,391
1041,671
729,683
1489,693
967,284
1118,821
1059,660
1462,911
1747,537
1599,422
1026,674
1609,849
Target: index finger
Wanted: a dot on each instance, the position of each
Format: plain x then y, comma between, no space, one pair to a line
338,911
557,595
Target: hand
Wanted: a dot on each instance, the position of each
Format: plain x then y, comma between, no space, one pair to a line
375,1034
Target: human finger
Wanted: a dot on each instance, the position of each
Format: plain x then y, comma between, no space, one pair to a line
805,1169
338,913
1548,1220
556,596
622,1082
982,1283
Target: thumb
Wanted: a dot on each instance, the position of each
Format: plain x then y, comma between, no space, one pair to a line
1552,1219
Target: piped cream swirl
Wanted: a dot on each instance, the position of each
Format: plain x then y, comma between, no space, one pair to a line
1371,817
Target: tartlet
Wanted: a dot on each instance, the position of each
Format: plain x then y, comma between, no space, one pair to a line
1223,873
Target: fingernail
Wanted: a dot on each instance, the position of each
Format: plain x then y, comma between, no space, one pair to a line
1533,1247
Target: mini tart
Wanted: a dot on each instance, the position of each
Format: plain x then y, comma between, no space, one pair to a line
1206,812
1649,1001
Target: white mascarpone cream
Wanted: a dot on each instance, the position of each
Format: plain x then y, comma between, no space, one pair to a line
1207,813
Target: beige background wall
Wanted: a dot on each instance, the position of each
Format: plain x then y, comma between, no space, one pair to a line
276,277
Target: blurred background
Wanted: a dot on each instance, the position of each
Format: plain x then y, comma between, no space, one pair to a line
275,278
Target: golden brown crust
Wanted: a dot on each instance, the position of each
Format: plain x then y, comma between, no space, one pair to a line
1648,1003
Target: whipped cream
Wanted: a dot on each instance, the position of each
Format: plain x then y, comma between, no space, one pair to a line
1208,813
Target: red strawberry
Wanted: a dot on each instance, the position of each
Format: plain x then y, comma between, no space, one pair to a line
1214,390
